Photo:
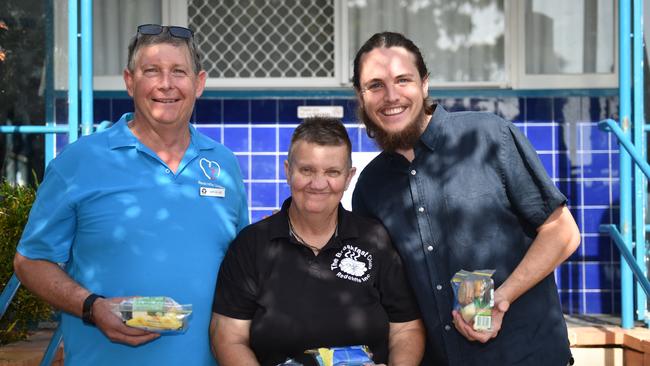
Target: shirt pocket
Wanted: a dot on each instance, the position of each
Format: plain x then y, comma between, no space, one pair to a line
471,220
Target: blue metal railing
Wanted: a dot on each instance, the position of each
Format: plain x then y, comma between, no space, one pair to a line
72,128
610,125
639,273
625,168
87,67
631,77
50,352
8,293
638,269
630,265
640,180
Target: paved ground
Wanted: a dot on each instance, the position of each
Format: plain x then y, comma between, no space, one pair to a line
584,331
29,352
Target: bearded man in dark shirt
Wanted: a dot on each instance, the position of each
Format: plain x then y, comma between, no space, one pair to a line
463,191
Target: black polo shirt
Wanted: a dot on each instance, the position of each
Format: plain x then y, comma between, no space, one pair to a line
346,295
471,199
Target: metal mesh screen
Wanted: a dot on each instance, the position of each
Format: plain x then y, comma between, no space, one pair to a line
265,38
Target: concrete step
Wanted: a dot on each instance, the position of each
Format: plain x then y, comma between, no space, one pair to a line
600,341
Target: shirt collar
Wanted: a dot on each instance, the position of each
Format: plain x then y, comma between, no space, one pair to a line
119,135
279,223
430,135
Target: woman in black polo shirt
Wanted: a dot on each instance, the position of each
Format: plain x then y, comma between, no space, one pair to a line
314,275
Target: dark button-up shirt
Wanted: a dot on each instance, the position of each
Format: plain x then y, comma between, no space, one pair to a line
346,295
471,199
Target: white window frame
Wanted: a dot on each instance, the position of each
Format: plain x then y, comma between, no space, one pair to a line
175,12
522,80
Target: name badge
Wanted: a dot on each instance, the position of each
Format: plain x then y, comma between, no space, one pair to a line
212,192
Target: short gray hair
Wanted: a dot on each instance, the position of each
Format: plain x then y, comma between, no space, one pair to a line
322,131
140,40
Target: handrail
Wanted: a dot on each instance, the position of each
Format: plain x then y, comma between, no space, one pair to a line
87,67
640,182
8,293
625,170
72,128
629,258
611,126
50,352
33,129
73,70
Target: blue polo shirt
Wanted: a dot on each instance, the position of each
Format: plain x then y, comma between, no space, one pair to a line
126,225
471,199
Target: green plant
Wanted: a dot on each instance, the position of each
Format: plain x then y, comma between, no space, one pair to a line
26,310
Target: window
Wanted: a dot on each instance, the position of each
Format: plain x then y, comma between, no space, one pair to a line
462,41
521,44
266,42
566,44
114,23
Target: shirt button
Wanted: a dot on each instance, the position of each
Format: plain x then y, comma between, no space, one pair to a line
167,170
439,287
421,209
430,248
447,328
413,172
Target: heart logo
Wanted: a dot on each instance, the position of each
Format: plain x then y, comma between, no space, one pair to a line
211,169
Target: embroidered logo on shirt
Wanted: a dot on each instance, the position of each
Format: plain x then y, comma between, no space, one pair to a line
352,263
210,168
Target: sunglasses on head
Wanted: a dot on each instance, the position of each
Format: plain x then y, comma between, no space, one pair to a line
156,29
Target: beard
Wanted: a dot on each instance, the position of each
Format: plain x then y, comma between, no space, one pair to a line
392,141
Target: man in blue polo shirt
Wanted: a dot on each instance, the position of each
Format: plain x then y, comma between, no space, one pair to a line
145,208
463,191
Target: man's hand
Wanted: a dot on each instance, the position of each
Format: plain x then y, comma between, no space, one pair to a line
113,327
501,305
556,239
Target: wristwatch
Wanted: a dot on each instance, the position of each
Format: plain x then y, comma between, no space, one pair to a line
87,312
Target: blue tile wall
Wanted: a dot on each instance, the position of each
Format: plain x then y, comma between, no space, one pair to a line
118,108
281,174
264,139
214,132
581,159
284,137
236,111
547,161
236,138
264,111
263,167
102,107
207,111
287,110
538,109
264,195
